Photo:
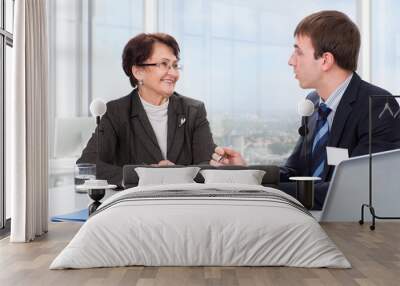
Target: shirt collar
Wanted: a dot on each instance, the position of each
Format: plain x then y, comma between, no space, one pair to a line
333,100
152,107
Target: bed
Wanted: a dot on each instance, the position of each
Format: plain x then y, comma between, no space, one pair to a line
193,224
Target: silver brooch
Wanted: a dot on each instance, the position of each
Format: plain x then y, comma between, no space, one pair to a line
182,121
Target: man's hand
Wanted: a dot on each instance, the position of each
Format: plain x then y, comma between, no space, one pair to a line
226,156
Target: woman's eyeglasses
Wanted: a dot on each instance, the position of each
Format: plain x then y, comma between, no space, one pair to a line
164,66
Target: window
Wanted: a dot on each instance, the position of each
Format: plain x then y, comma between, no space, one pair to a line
6,42
9,15
86,39
110,32
235,55
385,41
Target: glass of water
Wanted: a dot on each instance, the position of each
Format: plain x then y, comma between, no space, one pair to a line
83,172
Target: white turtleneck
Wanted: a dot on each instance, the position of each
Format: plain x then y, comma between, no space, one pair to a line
158,117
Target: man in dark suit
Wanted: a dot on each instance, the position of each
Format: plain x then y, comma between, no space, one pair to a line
325,58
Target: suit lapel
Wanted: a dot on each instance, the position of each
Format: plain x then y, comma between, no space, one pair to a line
142,129
342,113
176,128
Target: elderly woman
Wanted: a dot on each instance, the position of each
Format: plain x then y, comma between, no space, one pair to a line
153,124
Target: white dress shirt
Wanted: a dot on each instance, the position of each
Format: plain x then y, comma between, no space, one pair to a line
334,99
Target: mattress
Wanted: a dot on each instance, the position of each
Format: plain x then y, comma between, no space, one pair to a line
201,225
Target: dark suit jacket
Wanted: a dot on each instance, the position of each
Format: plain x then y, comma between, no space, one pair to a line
349,130
127,137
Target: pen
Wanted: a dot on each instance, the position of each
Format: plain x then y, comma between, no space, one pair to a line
222,157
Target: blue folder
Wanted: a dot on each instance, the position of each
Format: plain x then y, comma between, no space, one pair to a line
79,216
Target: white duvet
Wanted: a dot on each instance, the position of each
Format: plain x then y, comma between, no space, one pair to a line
208,230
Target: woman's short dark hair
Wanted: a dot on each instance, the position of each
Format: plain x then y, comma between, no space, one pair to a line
334,32
140,48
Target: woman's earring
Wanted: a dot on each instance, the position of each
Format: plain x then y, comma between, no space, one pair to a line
141,82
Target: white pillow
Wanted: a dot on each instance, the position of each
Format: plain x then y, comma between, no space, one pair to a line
248,177
166,176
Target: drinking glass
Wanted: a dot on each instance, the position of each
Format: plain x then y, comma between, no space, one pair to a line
83,172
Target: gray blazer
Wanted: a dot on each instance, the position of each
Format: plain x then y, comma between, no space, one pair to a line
127,137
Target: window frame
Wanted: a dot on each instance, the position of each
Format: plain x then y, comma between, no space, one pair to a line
6,39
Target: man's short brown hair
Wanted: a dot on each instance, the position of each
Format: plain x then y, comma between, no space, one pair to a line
334,32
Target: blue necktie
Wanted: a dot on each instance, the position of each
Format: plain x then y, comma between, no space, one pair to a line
321,136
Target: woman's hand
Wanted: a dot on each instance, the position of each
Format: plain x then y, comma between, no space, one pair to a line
164,163
226,156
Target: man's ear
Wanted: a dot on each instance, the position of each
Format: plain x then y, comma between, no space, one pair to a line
137,72
328,60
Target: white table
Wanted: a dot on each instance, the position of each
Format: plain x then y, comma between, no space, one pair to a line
64,199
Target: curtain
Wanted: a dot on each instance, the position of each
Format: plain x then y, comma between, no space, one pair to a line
26,117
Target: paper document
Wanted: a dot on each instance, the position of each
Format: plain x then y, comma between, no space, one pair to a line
336,155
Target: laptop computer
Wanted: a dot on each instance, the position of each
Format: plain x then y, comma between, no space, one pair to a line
349,188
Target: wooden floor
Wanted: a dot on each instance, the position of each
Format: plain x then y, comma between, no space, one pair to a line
374,255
